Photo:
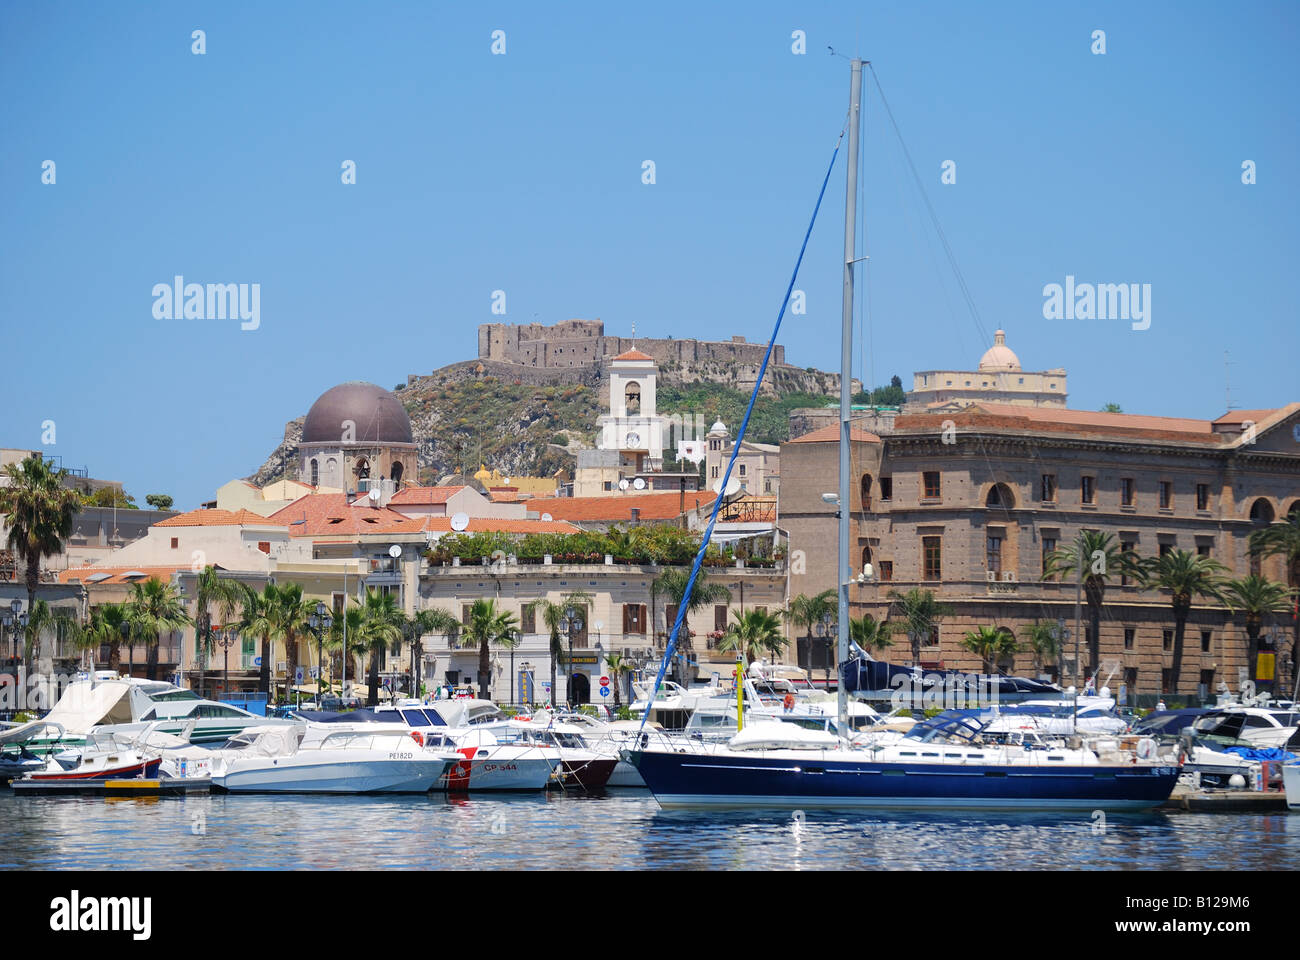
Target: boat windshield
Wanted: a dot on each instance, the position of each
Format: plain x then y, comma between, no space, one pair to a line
952,725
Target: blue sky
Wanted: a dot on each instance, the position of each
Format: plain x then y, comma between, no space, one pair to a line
522,173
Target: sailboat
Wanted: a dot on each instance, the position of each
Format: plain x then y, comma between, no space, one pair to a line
942,763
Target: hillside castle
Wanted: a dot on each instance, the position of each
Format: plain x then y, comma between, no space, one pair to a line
583,343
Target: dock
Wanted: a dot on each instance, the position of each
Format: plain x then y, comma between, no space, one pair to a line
153,787
1226,801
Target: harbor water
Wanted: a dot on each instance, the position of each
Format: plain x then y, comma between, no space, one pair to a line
622,830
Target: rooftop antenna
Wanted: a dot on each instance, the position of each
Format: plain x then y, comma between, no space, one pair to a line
1227,385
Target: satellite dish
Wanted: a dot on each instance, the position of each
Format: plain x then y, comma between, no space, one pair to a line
733,487
507,480
374,494
638,483
623,484
394,551
547,517
460,521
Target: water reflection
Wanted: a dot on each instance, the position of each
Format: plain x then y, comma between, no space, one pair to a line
624,830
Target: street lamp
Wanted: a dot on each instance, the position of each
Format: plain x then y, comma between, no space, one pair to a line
319,622
225,640
570,623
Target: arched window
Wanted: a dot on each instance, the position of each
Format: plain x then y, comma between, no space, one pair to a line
866,555
396,472
1000,496
315,472
865,487
362,468
1261,512
632,397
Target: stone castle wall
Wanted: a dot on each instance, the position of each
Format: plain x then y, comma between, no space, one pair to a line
577,343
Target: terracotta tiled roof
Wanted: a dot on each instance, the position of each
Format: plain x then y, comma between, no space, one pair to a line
1239,416
831,434
1091,418
634,355
219,518
1060,421
425,495
115,574
652,506
331,514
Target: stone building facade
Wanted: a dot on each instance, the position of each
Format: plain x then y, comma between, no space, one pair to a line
581,343
968,503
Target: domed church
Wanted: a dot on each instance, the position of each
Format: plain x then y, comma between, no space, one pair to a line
355,435
999,379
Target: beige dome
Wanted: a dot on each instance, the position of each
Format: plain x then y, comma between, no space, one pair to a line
999,356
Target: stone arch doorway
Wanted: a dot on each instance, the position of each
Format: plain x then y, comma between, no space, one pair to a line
579,689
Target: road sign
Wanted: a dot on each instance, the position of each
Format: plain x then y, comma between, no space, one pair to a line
298,675
604,681
315,673
604,691
257,661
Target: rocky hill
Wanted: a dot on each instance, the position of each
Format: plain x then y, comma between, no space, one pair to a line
529,421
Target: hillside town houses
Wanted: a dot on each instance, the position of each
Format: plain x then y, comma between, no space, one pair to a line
966,490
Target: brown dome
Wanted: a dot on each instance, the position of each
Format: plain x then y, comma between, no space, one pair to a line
377,414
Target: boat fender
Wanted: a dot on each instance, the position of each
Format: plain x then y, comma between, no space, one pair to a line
418,737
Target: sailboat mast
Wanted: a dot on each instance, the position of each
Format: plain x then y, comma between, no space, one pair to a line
845,564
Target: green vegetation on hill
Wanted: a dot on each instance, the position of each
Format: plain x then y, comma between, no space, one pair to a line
770,422
890,396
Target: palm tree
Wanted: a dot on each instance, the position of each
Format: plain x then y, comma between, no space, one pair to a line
155,608
487,625
431,620
1041,635
1256,597
753,630
348,624
290,615
257,620
552,615
380,630
38,510
105,627
43,617
672,584
921,613
1094,557
1185,575
211,590
869,633
992,645
1283,539
619,667
805,611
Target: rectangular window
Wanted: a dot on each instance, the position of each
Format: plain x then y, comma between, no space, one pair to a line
1168,640
1166,495
931,559
1203,549
1048,494
1131,680
1202,496
528,618
1126,491
634,618
1049,546
886,488
886,570
1166,680
464,613
993,553
742,469
1087,489
1129,635
932,484
720,616
1165,548
715,473
1125,546
264,546
1206,636
1207,682
176,542
670,614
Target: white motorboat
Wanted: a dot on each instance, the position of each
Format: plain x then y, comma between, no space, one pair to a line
1257,726
330,758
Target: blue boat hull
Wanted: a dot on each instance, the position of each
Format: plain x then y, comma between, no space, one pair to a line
703,780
